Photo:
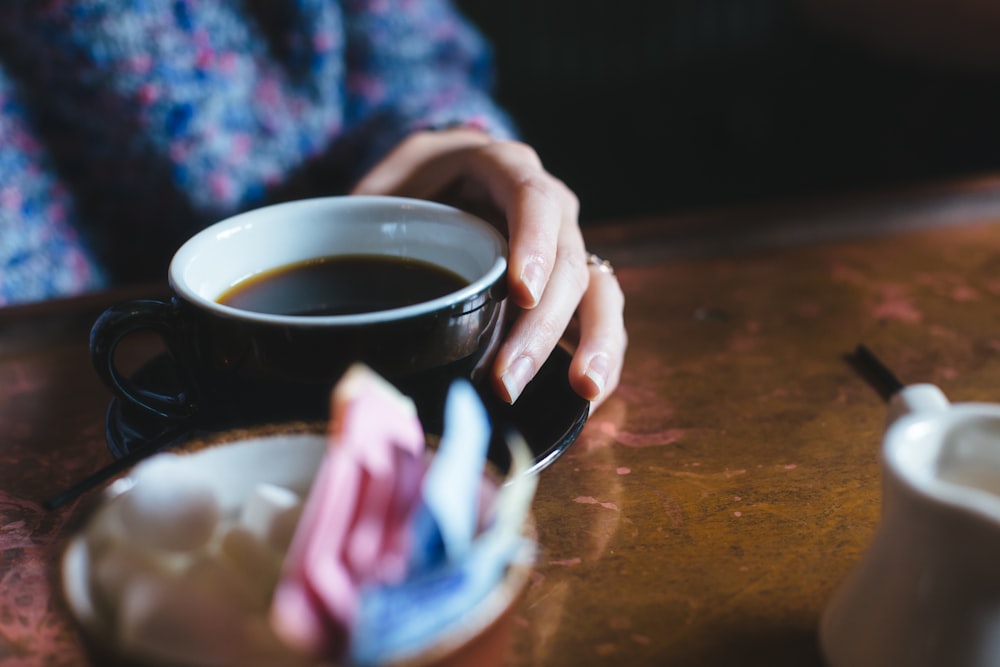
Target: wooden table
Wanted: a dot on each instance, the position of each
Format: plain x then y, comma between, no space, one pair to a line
710,507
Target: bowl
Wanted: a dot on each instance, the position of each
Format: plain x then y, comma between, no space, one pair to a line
238,467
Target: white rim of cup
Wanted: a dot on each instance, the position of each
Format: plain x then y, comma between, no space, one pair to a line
187,253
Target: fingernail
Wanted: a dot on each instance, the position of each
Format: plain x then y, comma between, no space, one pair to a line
516,377
597,371
533,277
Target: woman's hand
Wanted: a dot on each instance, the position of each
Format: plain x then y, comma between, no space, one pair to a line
551,275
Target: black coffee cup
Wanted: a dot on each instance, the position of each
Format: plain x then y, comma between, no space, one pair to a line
238,360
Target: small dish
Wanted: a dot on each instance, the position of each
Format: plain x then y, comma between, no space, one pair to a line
234,469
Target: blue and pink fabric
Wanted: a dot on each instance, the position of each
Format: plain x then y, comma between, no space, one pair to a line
126,125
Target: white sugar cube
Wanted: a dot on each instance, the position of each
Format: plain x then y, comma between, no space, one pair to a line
272,512
172,506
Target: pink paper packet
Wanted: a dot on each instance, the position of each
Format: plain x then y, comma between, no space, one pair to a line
354,529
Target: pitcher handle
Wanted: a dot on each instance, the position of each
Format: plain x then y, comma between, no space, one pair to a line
921,397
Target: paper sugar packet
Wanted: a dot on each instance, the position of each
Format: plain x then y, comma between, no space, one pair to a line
446,519
399,619
398,542
355,527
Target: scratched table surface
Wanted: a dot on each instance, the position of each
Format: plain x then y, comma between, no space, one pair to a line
711,506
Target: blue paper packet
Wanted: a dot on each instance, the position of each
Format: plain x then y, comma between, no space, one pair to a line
445,522
453,568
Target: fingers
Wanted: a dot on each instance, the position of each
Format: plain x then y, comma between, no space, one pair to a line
544,233
538,209
536,331
548,276
405,170
535,204
596,368
597,363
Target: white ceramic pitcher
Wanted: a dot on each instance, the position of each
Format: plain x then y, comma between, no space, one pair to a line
927,591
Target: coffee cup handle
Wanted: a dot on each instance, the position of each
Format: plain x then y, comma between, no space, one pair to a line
111,328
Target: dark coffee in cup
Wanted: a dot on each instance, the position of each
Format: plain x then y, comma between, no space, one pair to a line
343,285
419,328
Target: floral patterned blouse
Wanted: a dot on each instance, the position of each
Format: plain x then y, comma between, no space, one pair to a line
126,125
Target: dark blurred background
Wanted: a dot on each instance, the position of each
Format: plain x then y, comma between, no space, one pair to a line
652,106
